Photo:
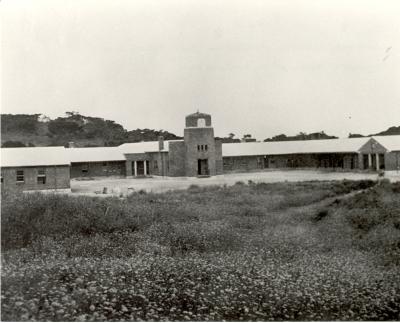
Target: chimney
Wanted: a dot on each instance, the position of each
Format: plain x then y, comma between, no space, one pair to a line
71,144
160,143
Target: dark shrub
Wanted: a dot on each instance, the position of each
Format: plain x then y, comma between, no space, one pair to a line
194,188
347,186
320,215
365,219
396,187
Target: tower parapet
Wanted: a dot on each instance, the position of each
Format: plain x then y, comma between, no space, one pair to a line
198,120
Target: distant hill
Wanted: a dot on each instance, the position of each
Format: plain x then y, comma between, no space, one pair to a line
36,130
389,132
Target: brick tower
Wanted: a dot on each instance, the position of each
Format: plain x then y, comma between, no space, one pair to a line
203,153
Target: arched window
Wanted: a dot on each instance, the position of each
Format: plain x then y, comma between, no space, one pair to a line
201,122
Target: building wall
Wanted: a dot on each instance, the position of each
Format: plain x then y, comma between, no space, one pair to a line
133,157
247,163
372,148
241,163
176,159
218,157
94,169
392,160
57,177
158,162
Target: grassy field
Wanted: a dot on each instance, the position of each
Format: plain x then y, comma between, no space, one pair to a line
283,251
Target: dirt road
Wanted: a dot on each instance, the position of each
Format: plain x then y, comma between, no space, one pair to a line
117,186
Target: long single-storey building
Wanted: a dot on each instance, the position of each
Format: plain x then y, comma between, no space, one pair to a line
373,153
197,154
35,168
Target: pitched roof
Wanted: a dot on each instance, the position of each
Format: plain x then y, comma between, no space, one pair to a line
391,143
144,146
34,156
99,154
293,147
95,154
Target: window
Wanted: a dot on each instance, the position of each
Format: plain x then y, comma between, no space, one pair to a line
85,168
205,147
198,147
20,176
155,165
201,122
41,177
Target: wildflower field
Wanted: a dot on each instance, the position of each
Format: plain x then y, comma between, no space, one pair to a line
282,251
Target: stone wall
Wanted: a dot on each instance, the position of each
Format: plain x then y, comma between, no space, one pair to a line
242,163
248,163
95,169
392,160
56,177
133,157
218,157
176,159
158,162
192,119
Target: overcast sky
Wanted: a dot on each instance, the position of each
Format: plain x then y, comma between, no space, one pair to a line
259,67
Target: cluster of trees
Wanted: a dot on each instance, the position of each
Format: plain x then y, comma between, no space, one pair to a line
15,143
302,136
24,123
73,126
23,130
229,139
322,135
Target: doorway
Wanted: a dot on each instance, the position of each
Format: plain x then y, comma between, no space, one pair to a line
140,168
365,162
381,161
266,162
202,167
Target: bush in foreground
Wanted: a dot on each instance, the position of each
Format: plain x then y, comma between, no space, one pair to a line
285,251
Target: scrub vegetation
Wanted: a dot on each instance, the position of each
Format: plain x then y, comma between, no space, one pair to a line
282,251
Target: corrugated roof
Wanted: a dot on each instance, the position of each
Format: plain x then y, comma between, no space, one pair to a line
98,154
34,156
144,146
47,156
391,143
293,147
95,154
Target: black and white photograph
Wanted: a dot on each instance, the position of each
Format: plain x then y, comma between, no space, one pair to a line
200,160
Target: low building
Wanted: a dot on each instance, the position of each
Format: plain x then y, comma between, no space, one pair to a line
96,161
197,154
373,153
35,169
382,152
